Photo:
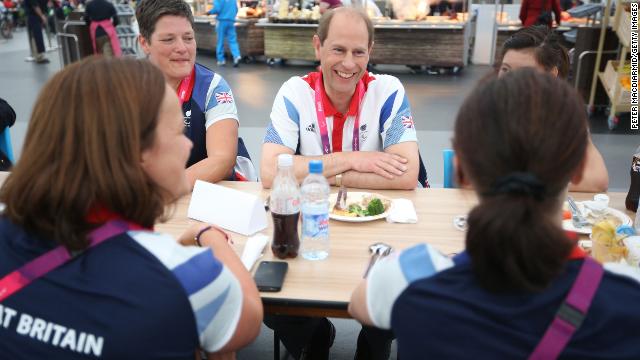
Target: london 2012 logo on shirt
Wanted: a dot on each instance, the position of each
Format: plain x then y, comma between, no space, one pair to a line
224,98
363,132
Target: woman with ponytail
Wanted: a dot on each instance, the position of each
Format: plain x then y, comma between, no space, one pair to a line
511,294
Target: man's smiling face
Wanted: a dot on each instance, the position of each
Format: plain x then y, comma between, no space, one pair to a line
344,54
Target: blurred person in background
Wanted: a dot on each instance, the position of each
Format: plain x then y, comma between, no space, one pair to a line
14,9
226,11
539,47
93,179
102,19
36,11
11,6
538,12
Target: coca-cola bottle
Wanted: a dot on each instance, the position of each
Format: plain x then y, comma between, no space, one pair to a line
285,210
634,188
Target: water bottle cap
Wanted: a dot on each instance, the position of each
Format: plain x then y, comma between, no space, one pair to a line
285,160
315,167
625,230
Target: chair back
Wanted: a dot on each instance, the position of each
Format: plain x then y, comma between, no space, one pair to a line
447,178
5,144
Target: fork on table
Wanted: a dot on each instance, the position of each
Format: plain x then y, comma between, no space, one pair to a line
341,199
577,218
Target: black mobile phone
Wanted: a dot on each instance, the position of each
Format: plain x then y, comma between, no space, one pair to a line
270,275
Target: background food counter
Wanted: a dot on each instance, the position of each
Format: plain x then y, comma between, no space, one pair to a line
435,42
250,37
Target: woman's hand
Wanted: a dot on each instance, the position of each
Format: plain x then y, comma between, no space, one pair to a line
188,238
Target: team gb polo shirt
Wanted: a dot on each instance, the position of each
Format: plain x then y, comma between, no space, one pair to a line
438,310
211,101
138,295
385,117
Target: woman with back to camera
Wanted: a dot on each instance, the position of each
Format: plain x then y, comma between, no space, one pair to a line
538,47
500,296
208,106
93,179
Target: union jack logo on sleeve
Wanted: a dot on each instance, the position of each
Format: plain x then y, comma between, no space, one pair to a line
224,98
407,121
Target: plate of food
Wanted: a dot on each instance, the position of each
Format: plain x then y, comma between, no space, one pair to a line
587,208
360,207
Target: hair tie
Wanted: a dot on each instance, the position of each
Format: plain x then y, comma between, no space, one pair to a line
518,183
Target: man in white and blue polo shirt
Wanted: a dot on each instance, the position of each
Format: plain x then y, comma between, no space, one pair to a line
359,124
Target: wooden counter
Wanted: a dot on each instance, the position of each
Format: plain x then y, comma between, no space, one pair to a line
403,43
323,288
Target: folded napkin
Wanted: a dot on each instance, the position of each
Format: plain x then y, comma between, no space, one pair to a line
253,250
402,211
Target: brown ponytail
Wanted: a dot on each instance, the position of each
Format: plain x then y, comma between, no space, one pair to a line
518,140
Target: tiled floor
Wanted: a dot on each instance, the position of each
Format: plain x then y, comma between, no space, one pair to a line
434,98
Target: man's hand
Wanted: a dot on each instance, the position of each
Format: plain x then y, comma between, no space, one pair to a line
384,164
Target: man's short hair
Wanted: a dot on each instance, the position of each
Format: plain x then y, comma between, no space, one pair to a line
325,22
148,12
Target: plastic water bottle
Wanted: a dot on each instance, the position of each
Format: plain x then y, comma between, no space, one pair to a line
285,210
315,214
